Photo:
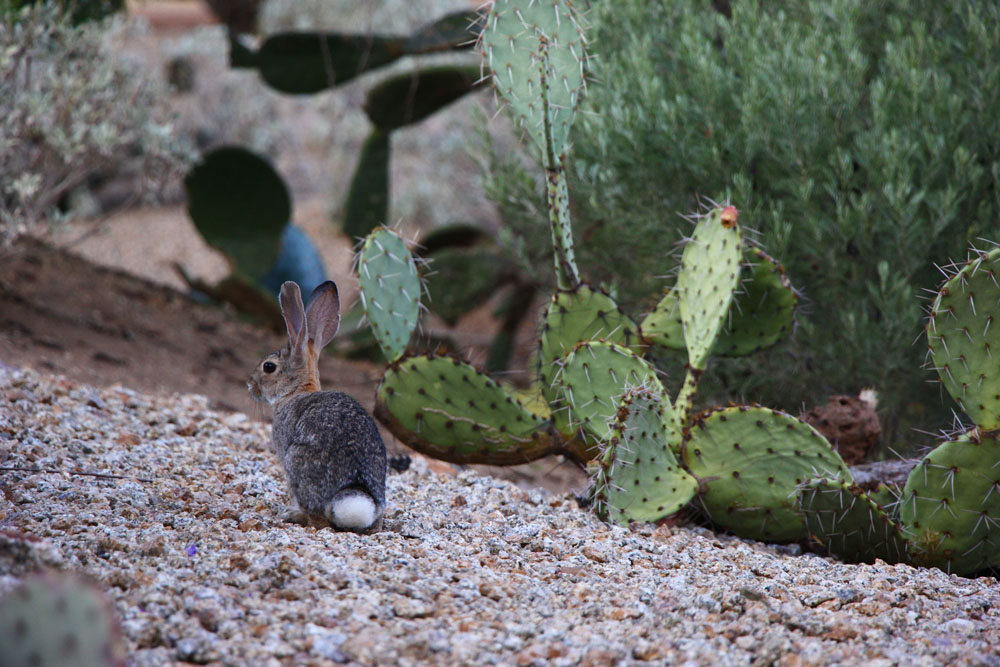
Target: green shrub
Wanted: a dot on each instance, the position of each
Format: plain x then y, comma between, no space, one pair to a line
861,139
71,107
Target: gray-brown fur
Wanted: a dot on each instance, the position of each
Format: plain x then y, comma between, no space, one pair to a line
329,446
327,442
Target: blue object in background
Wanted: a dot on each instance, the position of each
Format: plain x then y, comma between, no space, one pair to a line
298,260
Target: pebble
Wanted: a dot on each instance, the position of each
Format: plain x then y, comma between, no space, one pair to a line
181,533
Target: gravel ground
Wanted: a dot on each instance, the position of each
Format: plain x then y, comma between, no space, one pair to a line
469,569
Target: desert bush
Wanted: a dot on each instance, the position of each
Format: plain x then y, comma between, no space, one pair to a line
860,139
70,107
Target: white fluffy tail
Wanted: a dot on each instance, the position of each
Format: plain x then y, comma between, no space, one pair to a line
353,510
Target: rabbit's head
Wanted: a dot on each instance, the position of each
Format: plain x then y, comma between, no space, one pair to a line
294,369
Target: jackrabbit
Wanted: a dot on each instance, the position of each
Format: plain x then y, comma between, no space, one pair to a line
333,455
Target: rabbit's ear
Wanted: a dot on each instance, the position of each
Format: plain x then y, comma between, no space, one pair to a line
295,319
323,314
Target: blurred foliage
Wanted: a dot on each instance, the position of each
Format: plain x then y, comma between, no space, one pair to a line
861,139
70,107
78,11
309,61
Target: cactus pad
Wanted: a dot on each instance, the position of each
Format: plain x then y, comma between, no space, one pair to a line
849,523
240,205
639,478
367,204
574,316
749,461
950,506
410,97
390,290
448,410
54,620
709,276
964,337
593,379
663,325
535,49
763,311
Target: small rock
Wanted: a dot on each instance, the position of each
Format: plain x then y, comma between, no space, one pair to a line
595,553
412,609
960,626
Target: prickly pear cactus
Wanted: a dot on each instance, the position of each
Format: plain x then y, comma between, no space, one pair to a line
764,309
638,477
964,338
55,621
447,409
950,507
390,290
574,316
593,379
709,276
749,461
849,523
535,49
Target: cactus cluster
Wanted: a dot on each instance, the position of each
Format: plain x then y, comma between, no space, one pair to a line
947,514
241,205
604,402
755,471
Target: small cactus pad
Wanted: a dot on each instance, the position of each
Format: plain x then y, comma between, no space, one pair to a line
390,290
412,96
849,523
592,381
535,49
638,477
663,325
763,310
749,461
367,204
241,206
574,316
446,409
709,276
950,507
54,621
964,337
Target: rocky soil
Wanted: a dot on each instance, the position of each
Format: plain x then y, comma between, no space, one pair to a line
169,506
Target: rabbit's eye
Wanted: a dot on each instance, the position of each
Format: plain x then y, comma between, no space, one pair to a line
270,366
